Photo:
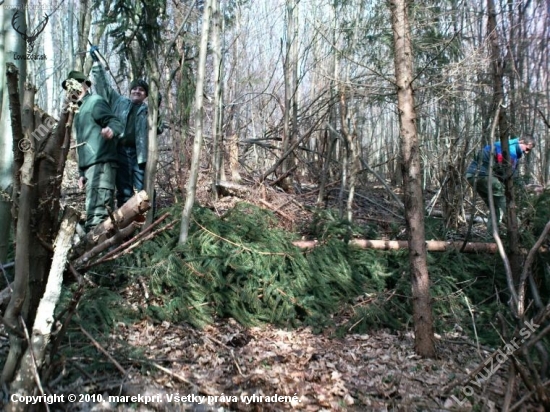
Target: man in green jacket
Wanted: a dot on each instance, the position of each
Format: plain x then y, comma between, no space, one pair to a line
133,144
97,129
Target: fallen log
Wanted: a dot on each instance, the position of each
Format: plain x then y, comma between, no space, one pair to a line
110,242
431,245
122,218
126,214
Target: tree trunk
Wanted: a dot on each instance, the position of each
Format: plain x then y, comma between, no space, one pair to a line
352,156
291,106
234,115
84,24
348,120
24,382
27,198
504,133
51,153
123,217
14,318
414,204
326,155
431,245
217,120
152,144
12,44
199,114
233,152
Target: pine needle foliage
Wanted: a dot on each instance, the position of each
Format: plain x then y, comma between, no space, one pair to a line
534,217
462,286
99,308
244,266
136,27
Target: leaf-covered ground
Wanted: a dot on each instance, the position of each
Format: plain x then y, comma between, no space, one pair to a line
230,367
227,367
359,372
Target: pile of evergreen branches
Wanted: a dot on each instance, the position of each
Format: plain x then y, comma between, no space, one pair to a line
244,266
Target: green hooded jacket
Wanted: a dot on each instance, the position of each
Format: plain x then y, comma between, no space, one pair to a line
121,106
93,115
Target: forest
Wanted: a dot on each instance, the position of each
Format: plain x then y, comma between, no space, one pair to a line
308,234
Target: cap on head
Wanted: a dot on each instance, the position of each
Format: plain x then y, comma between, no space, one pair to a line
140,83
78,76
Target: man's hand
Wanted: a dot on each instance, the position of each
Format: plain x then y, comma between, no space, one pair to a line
107,133
81,182
94,50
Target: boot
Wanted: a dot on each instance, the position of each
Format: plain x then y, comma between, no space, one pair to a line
500,213
500,208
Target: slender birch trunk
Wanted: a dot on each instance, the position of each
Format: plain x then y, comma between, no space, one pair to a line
152,143
217,121
199,119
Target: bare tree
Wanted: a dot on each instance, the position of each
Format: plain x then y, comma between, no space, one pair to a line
199,122
217,121
504,130
13,45
412,181
290,115
41,163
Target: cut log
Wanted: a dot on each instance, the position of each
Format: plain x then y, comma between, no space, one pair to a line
117,239
137,205
128,212
431,245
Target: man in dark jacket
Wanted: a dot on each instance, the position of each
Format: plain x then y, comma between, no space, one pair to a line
478,172
133,144
97,129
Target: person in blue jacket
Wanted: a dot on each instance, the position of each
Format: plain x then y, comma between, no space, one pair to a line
477,174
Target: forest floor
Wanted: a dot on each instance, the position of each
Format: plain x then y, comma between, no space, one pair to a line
229,367
232,368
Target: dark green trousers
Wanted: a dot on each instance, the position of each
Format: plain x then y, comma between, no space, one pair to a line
481,185
100,193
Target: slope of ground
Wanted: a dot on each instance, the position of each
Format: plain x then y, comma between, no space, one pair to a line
161,366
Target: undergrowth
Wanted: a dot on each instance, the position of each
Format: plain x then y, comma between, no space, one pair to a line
244,266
